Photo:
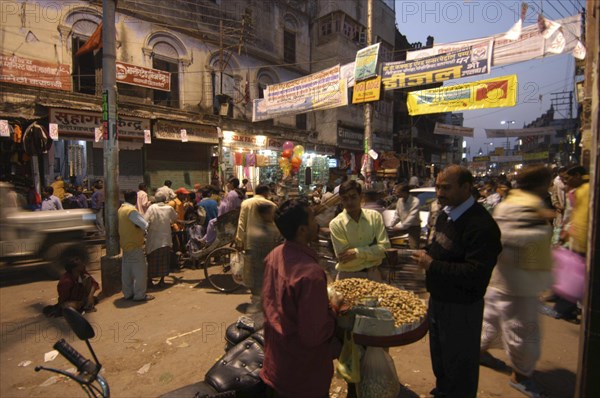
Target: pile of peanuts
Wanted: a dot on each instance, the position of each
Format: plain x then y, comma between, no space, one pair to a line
405,306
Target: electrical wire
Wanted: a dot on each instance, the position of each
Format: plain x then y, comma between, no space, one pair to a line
565,8
555,9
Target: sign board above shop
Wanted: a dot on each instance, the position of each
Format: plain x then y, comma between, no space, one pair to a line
35,73
73,123
349,138
169,130
143,77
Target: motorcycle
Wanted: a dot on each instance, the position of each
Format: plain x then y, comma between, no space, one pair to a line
235,374
88,373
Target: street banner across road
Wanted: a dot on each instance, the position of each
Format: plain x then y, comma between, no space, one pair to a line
492,93
509,159
471,61
321,90
532,131
530,45
450,129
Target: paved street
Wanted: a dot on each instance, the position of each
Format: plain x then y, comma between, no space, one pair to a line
180,335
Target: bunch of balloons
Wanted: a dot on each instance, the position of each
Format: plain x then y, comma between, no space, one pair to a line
291,158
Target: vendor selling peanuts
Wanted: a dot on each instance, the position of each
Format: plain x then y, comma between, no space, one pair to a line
358,235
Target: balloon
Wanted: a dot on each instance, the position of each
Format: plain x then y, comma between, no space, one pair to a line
299,150
284,162
285,165
288,145
287,153
296,161
295,170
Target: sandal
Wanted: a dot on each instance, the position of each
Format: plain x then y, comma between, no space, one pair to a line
527,387
489,361
147,297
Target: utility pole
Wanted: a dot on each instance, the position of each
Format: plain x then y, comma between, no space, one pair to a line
110,264
369,106
587,383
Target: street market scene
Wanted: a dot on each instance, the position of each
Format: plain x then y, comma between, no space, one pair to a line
289,198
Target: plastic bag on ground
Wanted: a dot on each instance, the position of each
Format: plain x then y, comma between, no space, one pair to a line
237,268
378,377
348,365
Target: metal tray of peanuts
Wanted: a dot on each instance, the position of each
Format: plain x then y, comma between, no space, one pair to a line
408,310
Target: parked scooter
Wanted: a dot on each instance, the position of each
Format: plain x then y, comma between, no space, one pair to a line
236,373
88,372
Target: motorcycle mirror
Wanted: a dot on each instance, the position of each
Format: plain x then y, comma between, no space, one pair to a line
78,324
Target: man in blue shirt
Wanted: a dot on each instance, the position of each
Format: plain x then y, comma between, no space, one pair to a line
50,201
210,205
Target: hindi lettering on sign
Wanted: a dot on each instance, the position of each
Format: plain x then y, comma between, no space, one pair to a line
446,74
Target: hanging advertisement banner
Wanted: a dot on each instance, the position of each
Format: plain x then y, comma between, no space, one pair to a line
536,156
32,72
53,131
481,159
506,159
450,129
367,91
531,131
4,128
530,44
492,93
347,72
83,124
365,65
321,90
143,77
474,60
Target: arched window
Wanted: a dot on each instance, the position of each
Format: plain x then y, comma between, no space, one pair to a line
265,77
76,29
289,39
167,53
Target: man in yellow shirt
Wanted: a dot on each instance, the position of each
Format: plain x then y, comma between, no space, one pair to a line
256,235
134,269
578,226
358,236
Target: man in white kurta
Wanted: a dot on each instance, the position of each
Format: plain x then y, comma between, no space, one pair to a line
159,240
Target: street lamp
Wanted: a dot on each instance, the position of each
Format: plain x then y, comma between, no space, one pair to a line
491,144
508,123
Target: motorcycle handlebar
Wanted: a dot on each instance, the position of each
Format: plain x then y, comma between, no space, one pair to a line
82,364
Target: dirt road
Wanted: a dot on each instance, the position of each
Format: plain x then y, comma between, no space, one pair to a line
179,336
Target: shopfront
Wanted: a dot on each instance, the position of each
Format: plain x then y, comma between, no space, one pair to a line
350,148
315,166
78,153
249,157
180,152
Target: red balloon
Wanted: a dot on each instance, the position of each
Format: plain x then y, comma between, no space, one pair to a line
296,161
287,153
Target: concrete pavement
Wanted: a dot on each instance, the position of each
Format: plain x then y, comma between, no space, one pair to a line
151,348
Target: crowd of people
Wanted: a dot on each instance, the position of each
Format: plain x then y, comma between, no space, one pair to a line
487,261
